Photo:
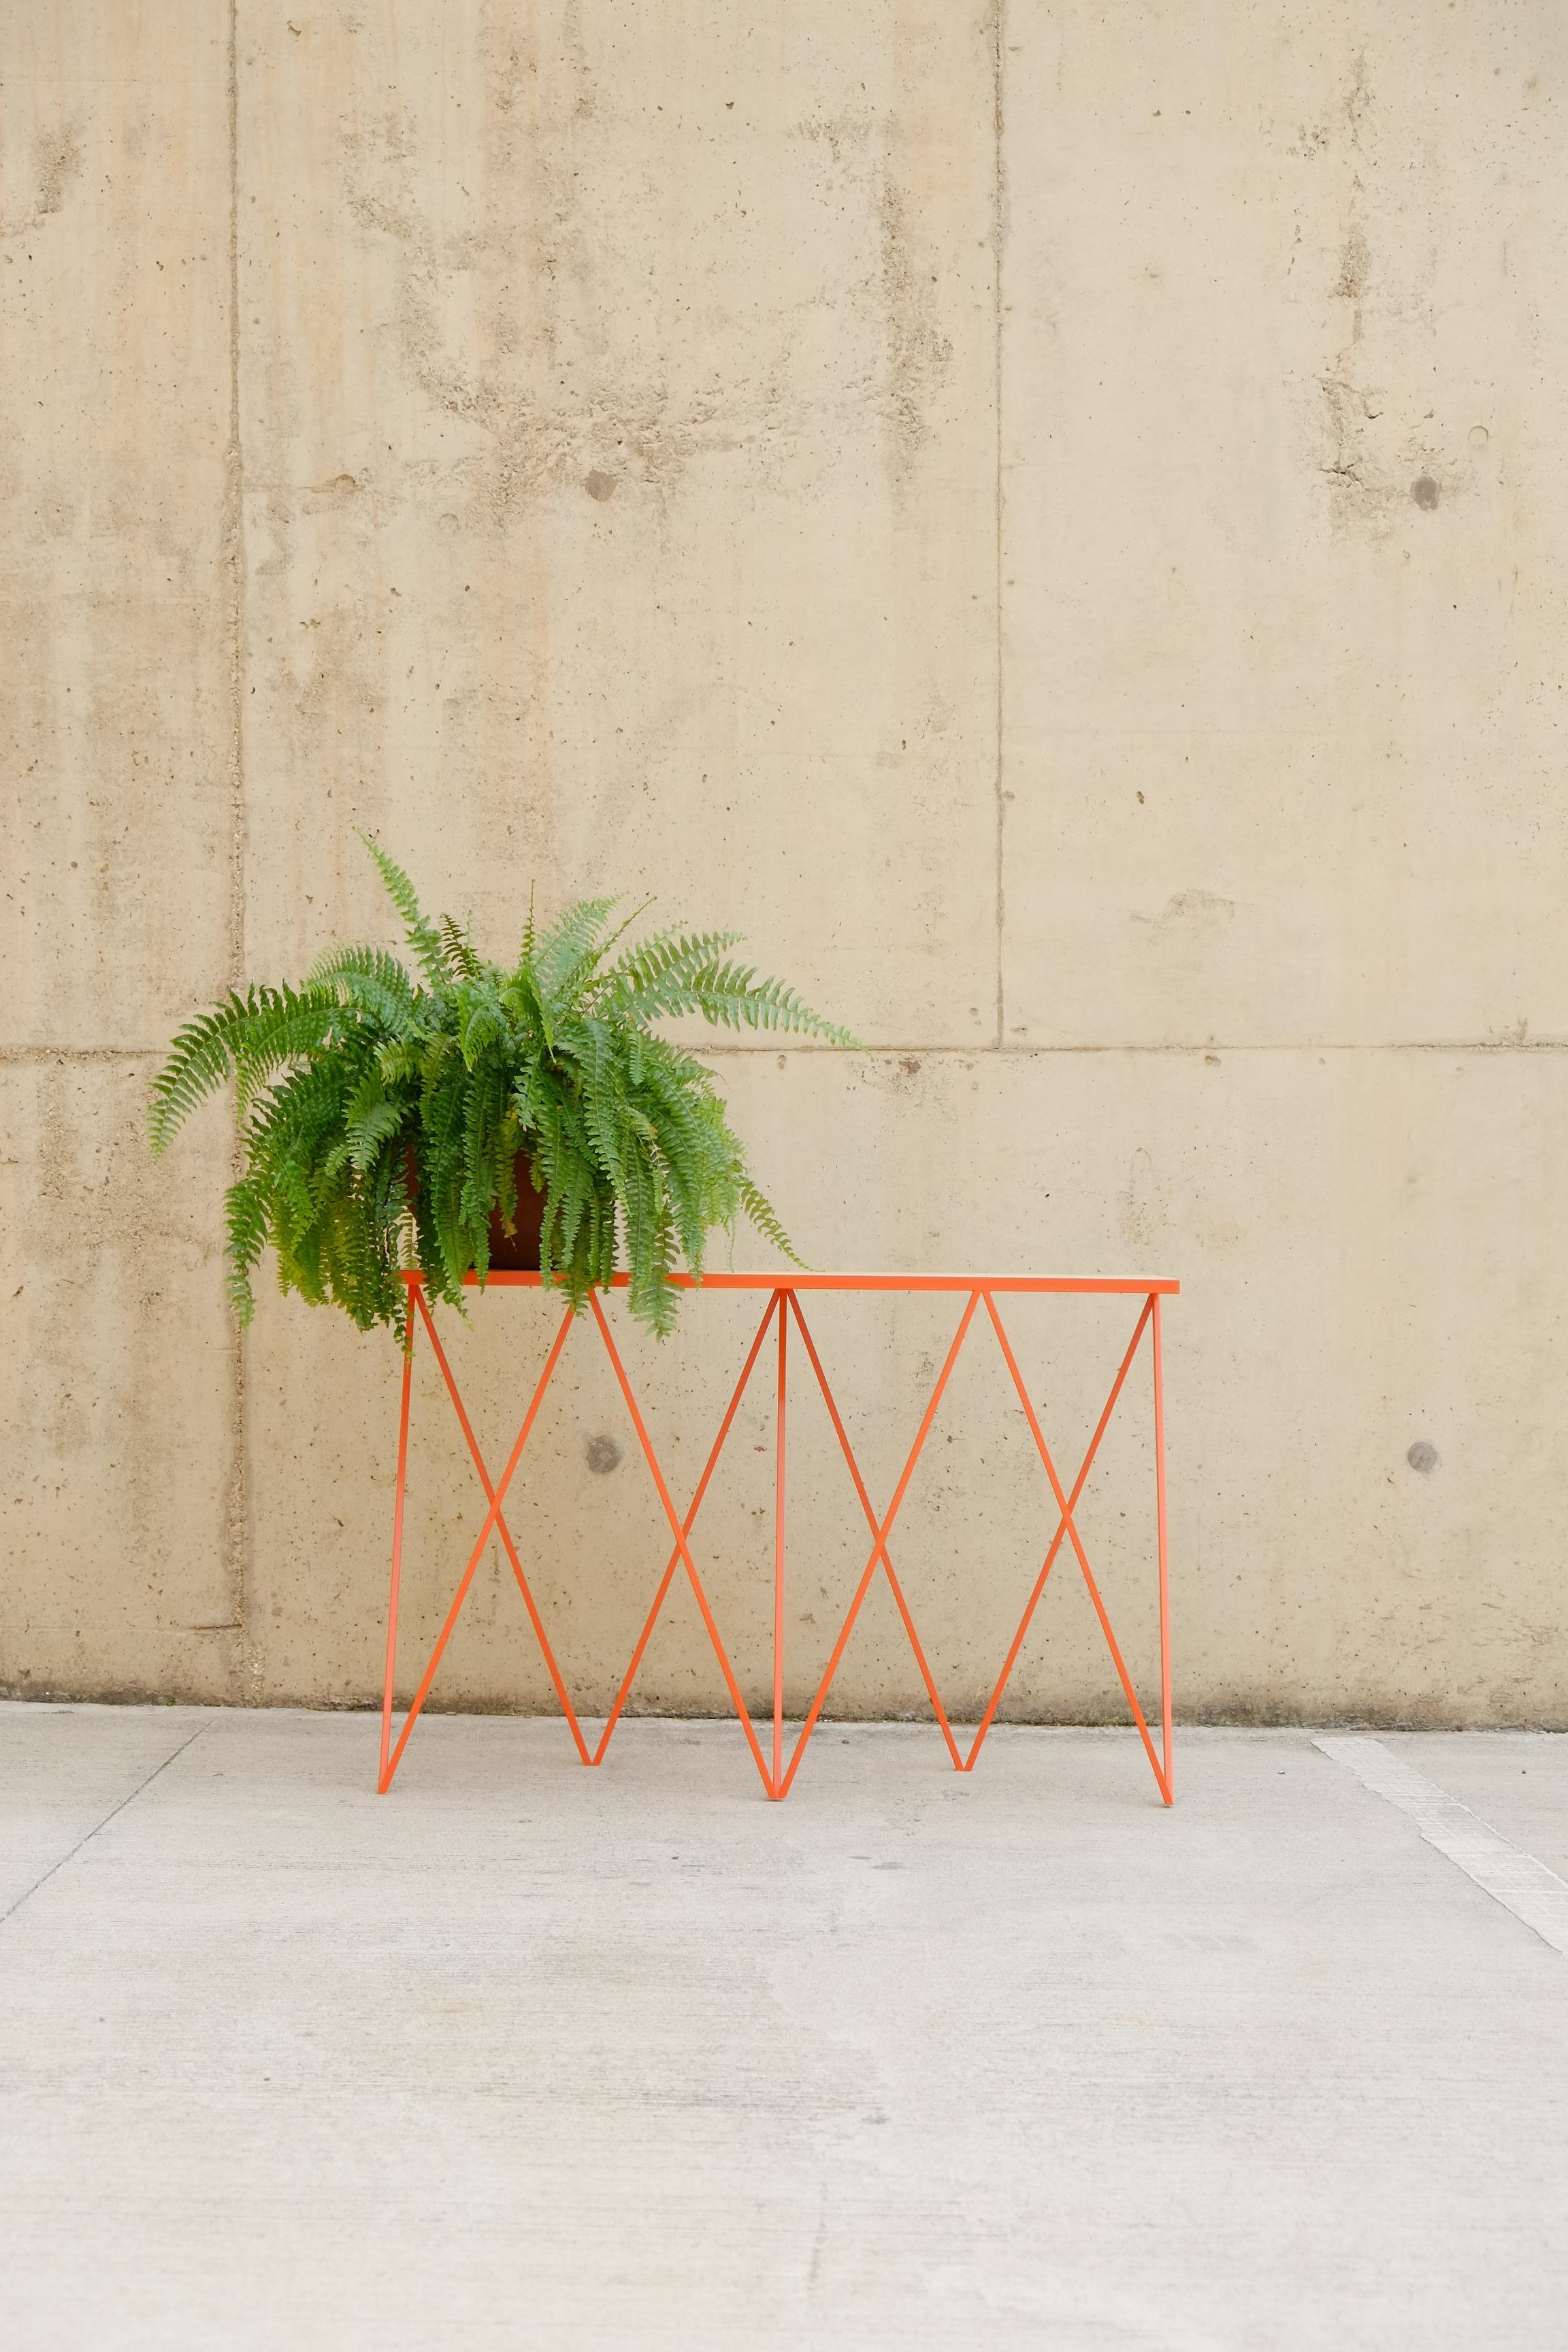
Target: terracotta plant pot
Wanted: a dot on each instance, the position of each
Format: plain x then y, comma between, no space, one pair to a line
518,1252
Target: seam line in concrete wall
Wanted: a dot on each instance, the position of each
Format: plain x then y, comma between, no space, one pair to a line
237,1513
996,231
1030,1052
893,1047
22,1054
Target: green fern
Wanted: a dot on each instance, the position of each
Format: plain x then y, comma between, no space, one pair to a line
381,1114
429,948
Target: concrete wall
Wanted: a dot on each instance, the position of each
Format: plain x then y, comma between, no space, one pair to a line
1054,522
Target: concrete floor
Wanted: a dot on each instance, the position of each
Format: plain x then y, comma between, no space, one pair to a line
524,2055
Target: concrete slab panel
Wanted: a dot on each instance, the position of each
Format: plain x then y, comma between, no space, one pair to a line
1284,507
620,480
123,1570
117,693
1517,1782
65,1769
1029,2057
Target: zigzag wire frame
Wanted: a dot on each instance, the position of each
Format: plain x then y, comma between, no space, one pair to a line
783,1308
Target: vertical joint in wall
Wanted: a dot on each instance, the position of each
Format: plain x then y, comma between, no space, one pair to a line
997,209
244,1669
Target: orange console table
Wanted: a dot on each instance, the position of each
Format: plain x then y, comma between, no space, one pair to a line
783,1295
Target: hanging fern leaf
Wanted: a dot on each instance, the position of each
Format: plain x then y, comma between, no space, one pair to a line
560,959
732,994
460,957
372,980
429,949
763,1216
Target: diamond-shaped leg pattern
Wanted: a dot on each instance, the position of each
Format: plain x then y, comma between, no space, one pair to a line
784,1307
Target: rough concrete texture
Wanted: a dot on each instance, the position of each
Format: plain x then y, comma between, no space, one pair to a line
526,2056
1052,520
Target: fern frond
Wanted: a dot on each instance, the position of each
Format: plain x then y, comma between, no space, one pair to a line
429,951
653,980
371,1121
764,1217
200,1060
731,996
461,960
246,1224
373,980
482,1022
244,1038
561,953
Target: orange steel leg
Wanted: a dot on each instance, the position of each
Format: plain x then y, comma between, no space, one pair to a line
678,1532
496,1499
777,1790
783,1302
382,1776
535,1619
1166,1788
686,1524
1064,1508
881,1530
1078,1484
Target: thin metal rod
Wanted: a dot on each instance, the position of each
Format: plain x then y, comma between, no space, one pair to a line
678,1532
879,1547
1164,1565
1036,1284
412,1718
778,1557
784,1301
1065,1510
686,1524
1078,1484
880,1551
383,1778
535,1619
